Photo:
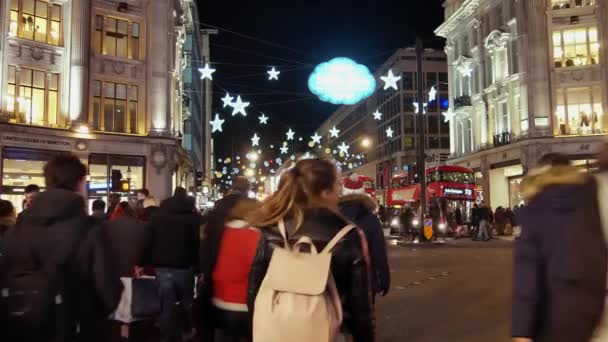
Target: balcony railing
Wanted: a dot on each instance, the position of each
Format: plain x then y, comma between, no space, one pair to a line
462,101
502,139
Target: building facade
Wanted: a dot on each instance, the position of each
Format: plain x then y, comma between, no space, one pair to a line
372,152
103,79
526,78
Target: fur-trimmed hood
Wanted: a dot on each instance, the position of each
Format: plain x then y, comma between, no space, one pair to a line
539,180
363,200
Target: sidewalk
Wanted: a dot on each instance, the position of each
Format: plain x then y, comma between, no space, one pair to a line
396,240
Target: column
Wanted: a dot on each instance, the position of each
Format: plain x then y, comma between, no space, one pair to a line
158,93
79,60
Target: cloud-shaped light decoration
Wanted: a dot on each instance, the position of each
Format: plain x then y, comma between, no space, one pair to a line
342,81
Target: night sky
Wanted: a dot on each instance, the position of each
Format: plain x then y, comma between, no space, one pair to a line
295,36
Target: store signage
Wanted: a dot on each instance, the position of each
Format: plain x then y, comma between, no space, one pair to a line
457,192
38,141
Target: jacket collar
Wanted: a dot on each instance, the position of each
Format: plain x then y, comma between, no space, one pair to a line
540,179
359,199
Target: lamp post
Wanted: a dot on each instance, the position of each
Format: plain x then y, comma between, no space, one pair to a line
421,138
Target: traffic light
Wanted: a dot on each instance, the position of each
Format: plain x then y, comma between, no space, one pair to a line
199,178
116,180
125,186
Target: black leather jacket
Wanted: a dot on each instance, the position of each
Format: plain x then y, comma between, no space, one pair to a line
349,267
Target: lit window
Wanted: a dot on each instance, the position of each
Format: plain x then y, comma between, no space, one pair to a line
114,107
562,4
575,47
116,37
579,111
35,20
26,100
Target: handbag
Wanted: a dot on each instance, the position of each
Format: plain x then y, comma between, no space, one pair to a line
145,301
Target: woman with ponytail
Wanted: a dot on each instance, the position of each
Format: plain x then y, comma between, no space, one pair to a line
307,201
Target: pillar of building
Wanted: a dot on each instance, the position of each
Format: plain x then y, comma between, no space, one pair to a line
158,94
79,60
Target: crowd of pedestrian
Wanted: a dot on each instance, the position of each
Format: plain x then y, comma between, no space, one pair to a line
159,271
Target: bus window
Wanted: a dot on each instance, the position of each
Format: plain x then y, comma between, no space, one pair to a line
458,177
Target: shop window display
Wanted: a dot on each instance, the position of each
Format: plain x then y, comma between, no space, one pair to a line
579,111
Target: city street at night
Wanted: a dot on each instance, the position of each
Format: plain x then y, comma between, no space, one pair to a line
460,291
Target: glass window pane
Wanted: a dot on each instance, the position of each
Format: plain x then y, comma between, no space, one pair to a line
120,116
41,9
133,93
27,26
28,6
52,109
121,91
122,27
39,79
108,112
593,34
37,107
40,30
14,5
111,25
12,71
56,13
26,77
96,113
54,34
133,117
108,90
97,88
135,30
99,22
54,83
135,48
121,46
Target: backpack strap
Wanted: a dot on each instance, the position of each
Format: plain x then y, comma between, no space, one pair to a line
333,242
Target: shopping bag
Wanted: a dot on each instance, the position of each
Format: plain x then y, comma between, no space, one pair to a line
123,312
145,300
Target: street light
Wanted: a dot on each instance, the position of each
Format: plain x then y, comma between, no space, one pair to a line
366,143
249,173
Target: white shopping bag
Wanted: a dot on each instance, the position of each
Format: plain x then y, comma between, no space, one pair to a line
123,312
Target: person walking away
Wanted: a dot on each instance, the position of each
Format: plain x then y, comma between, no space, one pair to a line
150,208
173,253
227,252
509,221
98,209
499,219
484,215
358,207
306,207
113,200
560,259
41,258
30,192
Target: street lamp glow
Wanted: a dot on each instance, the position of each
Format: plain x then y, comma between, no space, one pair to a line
249,173
252,156
366,142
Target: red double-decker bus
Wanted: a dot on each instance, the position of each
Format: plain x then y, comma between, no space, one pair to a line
452,183
368,184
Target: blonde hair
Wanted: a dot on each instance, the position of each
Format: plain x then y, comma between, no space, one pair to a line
299,189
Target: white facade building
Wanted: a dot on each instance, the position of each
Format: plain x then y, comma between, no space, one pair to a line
99,78
386,156
527,77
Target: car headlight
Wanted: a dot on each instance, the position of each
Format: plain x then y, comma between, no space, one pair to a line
442,226
415,222
395,222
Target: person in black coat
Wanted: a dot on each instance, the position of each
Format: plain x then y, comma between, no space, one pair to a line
46,241
359,208
560,259
307,200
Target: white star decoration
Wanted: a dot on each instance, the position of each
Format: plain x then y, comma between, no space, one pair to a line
284,149
333,133
316,139
227,100
263,119
467,70
377,115
239,107
255,141
290,134
390,80
343,148
423,109
216,124
432,94
273,74
389,132
206,72
449,115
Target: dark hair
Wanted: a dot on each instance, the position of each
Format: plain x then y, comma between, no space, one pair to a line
64,171
114,199
180,192
124,208
6,208
554,159
32,188
98,205
144,192
241,184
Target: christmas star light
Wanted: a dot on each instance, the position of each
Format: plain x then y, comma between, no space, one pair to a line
449,115
239,107
377,115
255,140
273,74
290,134
263,119
343,148
206,72
432,94
316,139
333,133
389,132
227,100
425,105
284,150
390,80
216,124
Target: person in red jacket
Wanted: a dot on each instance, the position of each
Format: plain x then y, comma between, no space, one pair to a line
227,251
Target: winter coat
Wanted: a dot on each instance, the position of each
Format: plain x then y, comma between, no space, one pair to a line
148,213
175,235
348,266
359,209
560,258
47,239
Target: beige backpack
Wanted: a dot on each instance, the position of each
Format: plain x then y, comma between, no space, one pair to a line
298,300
